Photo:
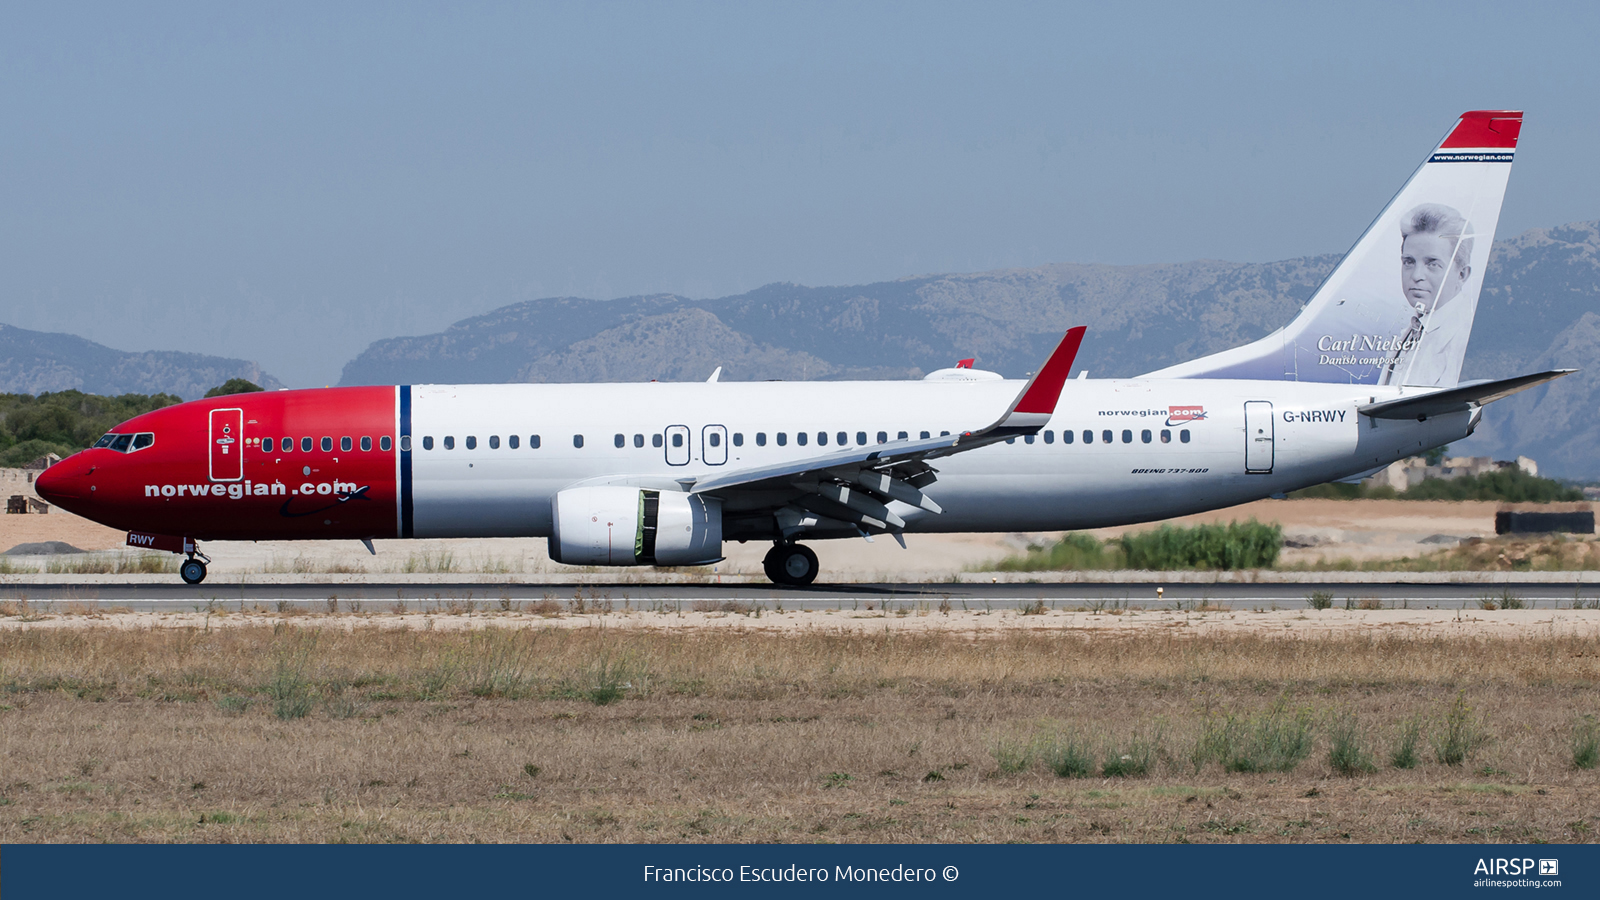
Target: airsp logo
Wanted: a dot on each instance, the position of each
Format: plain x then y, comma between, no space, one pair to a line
1501,866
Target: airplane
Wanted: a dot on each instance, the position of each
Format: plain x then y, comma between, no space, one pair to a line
664,474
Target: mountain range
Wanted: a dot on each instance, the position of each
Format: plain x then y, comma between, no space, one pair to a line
33,362
1540,308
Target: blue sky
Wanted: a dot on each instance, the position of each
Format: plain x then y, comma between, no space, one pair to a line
288,182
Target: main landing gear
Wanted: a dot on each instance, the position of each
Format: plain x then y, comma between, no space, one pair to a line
790,564
193,570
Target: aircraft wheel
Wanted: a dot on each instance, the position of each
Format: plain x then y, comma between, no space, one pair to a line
192,571
772,564
794,564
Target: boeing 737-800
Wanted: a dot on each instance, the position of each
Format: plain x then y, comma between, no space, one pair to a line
664,474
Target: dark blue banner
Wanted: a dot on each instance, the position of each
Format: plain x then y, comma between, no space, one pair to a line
1191,871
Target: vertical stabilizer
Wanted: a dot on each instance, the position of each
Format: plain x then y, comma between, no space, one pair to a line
1398,308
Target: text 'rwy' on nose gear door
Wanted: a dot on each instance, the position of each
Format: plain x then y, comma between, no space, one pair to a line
1258,437
227,444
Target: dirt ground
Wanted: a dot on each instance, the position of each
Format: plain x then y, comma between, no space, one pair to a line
1315,529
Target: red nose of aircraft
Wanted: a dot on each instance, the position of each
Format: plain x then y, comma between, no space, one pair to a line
67,484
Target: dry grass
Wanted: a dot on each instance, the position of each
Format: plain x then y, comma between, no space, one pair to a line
305,731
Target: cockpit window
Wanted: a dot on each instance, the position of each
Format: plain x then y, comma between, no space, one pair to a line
143,439
105,441
121,443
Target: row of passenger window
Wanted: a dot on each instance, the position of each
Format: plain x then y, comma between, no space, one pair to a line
1109,437
286,445
781,438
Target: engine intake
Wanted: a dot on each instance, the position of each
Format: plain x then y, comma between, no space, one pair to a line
629,526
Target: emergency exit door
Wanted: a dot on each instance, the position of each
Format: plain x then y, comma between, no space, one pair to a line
714,445
1258,437
677,445
227,444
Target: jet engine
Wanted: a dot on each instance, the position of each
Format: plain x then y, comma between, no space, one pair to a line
630,526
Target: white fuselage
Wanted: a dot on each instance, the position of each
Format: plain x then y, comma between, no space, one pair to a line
1297,434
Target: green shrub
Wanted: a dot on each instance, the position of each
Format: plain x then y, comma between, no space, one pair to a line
1274,741
1460,734
1586,744
1135,760
1320,599
1074,551
290,690
1347,752
1404,755
1236,545
64,422
1069,758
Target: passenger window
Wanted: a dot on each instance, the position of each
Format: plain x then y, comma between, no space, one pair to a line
121,443
494,442
783,439
1027,439
327,444
344,444
1011,440
845,438
577,441
366,442
924,435
1066,437
305,445
761,439
799,438
472,442
619,441
655,440
1088,436
944,434
716,439
677,439
1166,435
533,442
638,440
449,442
286,445
1127,435
1049,437
266,445
738,439
1145,435
861,439
822,439
1106,437
902,436
427,442
1184,435
513,442
385,443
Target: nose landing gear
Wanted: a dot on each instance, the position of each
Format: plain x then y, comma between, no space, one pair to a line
792,564
193,570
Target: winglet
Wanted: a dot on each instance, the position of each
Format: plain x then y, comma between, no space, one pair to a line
1037,402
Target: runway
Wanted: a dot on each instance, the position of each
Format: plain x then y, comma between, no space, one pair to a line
416,597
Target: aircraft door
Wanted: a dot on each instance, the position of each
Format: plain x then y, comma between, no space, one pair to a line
714,444
677,445
226,436
1258,437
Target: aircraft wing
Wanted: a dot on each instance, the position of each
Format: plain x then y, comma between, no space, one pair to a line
856,485
1459,399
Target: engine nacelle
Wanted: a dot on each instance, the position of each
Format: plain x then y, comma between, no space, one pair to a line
630,526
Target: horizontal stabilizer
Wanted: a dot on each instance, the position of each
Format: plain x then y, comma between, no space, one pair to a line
1461,399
